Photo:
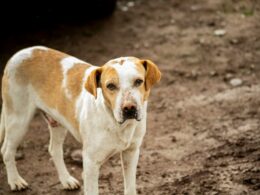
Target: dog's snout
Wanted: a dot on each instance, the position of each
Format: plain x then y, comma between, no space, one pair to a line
129,111
129,108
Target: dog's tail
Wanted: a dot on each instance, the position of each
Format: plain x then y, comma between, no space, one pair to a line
2,125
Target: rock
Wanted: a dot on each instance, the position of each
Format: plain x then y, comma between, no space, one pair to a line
252,67
234,41
194,74
172,21
201,40
213,73
195,7
124,8
131,4
76,156
236,82
228,76
219,32
19,155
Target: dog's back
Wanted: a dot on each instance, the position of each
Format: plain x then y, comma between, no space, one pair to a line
39,77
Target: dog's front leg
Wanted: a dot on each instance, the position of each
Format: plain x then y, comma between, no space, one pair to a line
129,160
90,174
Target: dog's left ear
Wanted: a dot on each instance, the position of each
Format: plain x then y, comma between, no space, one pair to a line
93,81
153,74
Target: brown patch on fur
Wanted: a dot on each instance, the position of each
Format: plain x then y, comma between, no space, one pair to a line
93,81
140,68
5,94
109,74
44,72
75,74
153,74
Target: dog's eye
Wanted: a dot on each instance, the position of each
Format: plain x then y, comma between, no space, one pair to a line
111,86
138,82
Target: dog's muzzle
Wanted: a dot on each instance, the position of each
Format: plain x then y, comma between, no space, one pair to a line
129,112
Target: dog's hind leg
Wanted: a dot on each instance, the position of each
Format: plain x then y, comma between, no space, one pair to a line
16,126
57,136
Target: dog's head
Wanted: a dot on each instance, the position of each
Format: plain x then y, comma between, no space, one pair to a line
125,84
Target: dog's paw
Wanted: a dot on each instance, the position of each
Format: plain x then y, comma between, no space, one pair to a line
18,184
71,184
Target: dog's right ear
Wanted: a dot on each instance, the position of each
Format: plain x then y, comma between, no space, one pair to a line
93,81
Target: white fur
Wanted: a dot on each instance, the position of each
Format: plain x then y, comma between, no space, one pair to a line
22,55
67,63
99,131
84,99
127,73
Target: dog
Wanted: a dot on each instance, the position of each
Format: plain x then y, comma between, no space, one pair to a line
104,108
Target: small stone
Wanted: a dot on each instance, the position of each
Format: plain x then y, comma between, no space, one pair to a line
195,7
194,74
19,155
131,4
172,21
220,32
213,73
228,76
76,156
234,41
202,41
124,8
252,66
236,82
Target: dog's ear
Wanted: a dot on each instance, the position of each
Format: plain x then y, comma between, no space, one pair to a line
93,81
152,75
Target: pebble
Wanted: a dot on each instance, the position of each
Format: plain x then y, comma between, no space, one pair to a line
131,4
219,32
124,8
213,73
236,82
76,156
252,66
195,7
234,41
202,41
228,76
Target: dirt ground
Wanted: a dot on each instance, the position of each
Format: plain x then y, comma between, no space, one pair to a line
203,134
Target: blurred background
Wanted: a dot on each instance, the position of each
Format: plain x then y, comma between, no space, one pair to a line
203,122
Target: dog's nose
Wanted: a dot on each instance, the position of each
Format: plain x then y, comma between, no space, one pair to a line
129,111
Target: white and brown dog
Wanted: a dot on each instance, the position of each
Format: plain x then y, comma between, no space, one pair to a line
104,108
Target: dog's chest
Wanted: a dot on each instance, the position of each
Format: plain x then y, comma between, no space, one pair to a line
121,137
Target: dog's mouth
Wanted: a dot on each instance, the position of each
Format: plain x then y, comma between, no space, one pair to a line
123,121
132,117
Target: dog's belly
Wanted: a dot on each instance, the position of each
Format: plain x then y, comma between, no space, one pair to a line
50,120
